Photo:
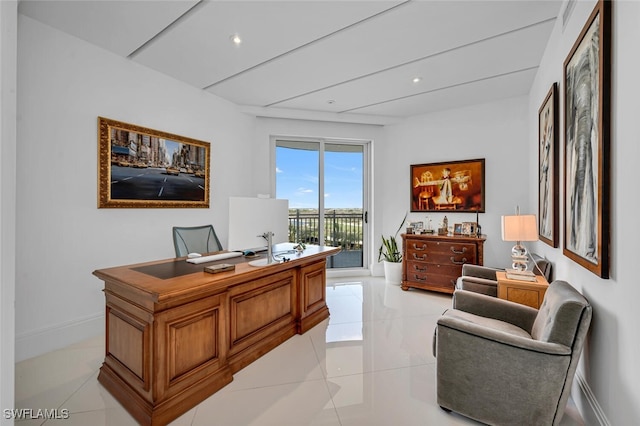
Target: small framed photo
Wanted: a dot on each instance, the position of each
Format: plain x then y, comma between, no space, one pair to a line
469,228
457,229
417,226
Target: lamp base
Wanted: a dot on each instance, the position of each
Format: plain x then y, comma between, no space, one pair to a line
520,263
519,257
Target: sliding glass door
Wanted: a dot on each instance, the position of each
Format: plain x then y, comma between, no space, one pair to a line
325,182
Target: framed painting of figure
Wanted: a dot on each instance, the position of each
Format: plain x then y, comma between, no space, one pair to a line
452,186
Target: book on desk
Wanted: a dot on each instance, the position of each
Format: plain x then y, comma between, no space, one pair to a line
514,274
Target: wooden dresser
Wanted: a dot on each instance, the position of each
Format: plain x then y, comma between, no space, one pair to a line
434,262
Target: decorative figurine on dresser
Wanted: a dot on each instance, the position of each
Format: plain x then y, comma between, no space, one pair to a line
434,262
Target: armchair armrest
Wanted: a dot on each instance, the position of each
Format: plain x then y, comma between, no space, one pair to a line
479,331
499,309
478,271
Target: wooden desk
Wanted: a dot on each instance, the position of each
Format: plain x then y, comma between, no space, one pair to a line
176,334
524,292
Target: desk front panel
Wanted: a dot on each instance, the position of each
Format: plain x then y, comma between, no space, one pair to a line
171,343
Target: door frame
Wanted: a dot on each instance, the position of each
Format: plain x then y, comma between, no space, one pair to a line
366,190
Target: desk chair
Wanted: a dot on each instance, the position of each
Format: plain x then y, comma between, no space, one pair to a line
195,239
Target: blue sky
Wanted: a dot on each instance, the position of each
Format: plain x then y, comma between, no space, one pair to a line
297,178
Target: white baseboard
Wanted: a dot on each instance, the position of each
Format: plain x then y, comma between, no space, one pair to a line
34,343
587,404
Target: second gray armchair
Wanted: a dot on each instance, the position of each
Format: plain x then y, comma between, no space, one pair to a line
482,279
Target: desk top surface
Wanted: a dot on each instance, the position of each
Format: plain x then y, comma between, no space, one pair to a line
163,279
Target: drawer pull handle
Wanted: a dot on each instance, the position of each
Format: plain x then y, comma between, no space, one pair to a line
415,247
462,262
423,257
464,250
420,268
417,278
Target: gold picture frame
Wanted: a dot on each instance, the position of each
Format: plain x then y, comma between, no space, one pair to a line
140,167
451,186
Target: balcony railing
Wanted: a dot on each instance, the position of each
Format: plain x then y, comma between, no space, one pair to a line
341,229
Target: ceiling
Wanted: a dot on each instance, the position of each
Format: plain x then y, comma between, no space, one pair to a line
343,60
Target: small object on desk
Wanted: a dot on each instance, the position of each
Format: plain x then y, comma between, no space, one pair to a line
519,272
193,255
520,277
249,253
222,267
214,257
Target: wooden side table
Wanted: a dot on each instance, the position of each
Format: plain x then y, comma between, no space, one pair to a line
524,292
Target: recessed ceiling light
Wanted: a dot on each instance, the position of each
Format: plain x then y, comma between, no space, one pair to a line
236,40
417,79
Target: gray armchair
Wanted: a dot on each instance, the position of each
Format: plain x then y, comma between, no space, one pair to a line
482,279
503,363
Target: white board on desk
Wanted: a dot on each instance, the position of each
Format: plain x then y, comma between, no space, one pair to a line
249,218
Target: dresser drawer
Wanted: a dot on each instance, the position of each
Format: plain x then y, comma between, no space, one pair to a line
442,258
420,269
434,281
418,248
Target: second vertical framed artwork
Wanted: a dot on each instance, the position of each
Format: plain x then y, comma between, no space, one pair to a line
548,185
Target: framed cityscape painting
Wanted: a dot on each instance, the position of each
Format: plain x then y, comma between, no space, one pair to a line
548,185
587,82
142,168
452,186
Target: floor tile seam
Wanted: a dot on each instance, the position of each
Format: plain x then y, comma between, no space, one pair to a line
318,359
66,349
333,403
92,376
294,382
406,367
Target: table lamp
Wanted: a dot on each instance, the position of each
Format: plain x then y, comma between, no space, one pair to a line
519,228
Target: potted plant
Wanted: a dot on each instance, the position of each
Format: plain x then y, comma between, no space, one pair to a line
392,255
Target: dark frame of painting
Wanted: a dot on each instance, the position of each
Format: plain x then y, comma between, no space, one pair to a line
587,83
548,182
452,186
145,168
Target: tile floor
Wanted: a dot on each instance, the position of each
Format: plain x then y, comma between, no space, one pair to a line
369,364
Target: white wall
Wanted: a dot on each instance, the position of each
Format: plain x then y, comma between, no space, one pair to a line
495,131
64,84
8,52
608,382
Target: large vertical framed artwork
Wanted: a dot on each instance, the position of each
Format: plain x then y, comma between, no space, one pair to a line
548,184
143,168
587,83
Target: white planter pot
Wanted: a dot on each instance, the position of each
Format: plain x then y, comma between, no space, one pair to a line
393,272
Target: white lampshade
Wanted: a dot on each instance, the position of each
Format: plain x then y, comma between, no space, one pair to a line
520,228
